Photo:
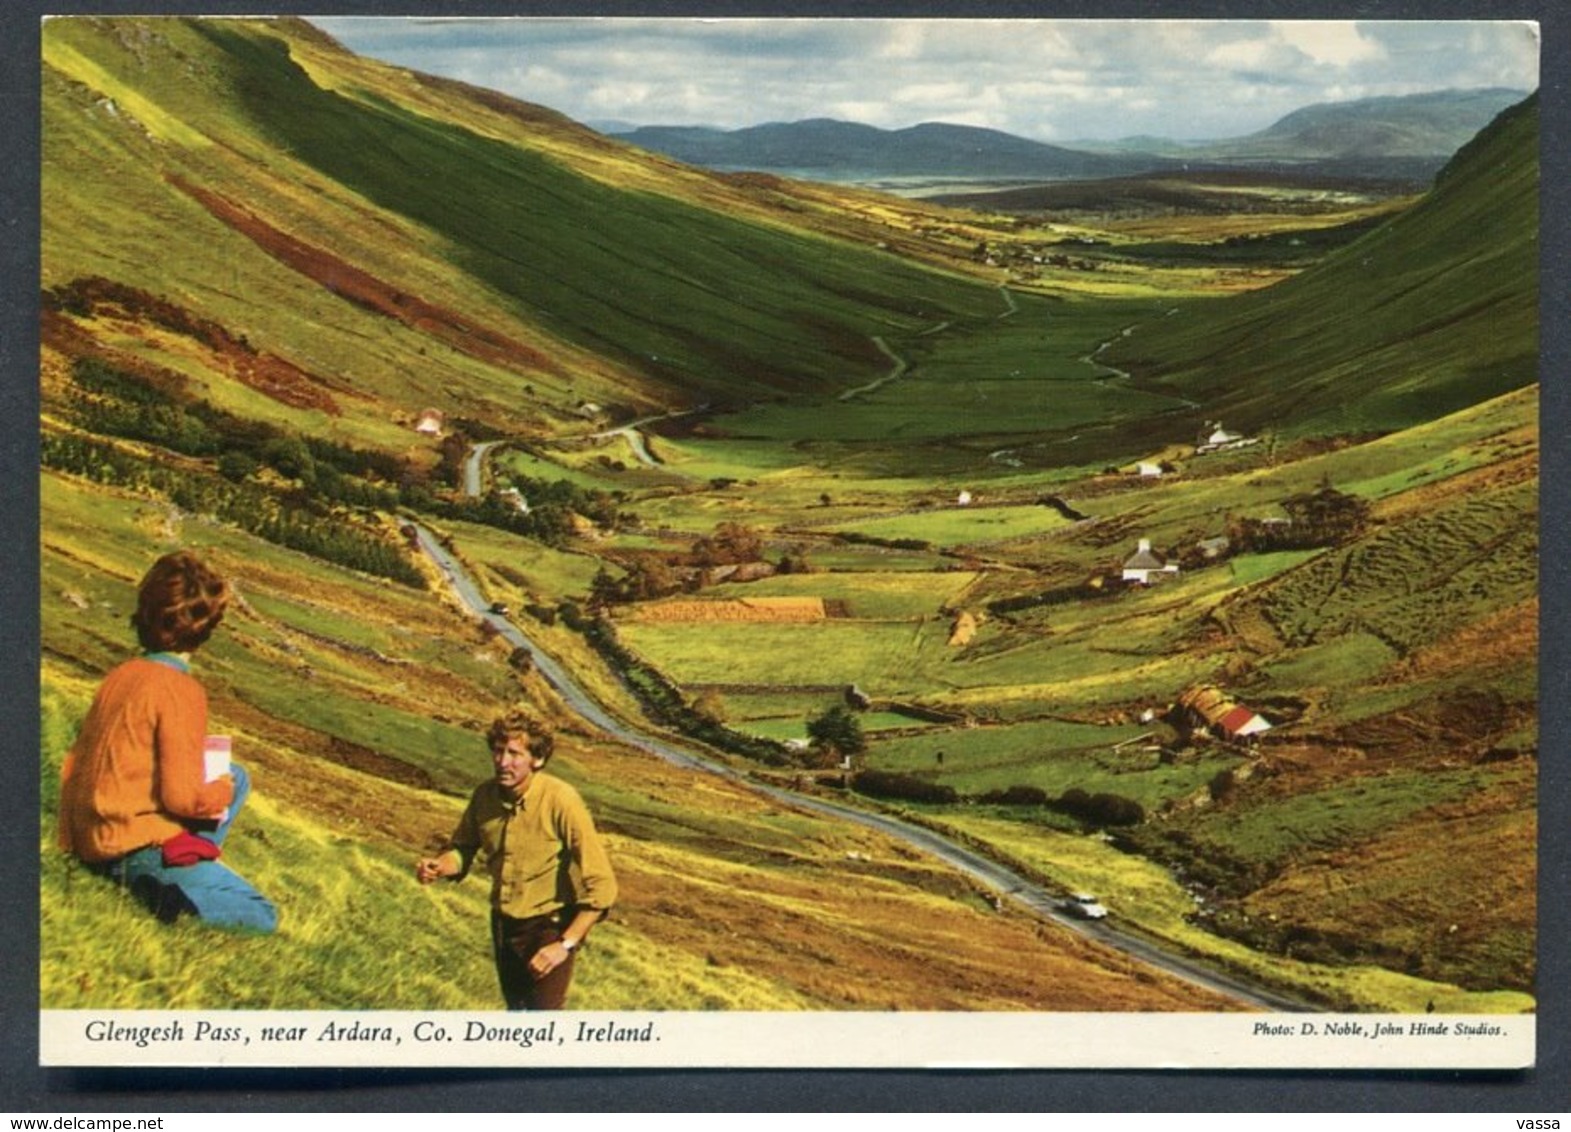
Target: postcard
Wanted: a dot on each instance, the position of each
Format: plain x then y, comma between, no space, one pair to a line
789,543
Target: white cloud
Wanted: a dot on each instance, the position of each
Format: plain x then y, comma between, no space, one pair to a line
1243,54
1334,43
1049,79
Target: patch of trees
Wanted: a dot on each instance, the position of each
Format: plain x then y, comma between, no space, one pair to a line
549,520
545,614
644,579
886,784
1100,809
452,449
477,429
1324,517
290,522
836,733
795,561
731,544
649,577
117,402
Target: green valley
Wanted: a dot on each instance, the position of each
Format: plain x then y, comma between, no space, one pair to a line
1039,501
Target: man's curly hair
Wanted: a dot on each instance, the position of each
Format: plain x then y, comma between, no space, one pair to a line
180,602
520,722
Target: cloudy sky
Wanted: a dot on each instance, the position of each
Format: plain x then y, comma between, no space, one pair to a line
1053,80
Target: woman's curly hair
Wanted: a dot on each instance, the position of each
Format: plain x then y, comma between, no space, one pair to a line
180,602
521,722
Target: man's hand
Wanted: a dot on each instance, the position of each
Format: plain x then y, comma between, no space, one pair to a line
548,959
429,869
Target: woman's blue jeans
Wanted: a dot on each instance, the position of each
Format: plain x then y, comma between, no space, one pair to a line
209,890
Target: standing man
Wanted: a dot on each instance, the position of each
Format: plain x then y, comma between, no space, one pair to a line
551,880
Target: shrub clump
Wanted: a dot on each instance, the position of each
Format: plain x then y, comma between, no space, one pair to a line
904,787
1101,809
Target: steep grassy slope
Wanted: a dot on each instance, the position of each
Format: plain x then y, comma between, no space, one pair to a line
314,196
1435,310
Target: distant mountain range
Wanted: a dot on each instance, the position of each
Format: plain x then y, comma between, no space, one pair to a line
1400,137
846,151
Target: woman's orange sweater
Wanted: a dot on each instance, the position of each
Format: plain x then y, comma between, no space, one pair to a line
136,769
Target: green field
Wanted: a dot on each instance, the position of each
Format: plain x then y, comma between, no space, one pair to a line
963,526
1052,755
884,658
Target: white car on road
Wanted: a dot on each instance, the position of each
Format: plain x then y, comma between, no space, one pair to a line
1083,906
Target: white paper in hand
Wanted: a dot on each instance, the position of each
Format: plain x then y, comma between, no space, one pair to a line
215,756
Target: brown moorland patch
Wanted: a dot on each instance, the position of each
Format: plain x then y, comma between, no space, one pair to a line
108,302
775,609
1448,894
366,290
1500,640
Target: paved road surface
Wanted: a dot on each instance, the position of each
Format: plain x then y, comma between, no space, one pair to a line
474,467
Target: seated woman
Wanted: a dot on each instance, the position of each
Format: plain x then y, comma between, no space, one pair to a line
136,805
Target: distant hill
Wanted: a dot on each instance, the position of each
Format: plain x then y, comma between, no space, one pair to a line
833,150
1430,312
1434,124
1407,138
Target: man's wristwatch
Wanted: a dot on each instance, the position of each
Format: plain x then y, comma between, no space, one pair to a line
568,945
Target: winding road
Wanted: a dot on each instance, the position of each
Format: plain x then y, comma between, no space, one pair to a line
474,467
636,439
1003,880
